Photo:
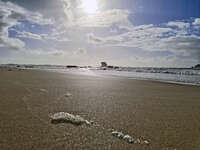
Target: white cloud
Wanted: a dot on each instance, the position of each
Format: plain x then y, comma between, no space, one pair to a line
10,14
104,19
45,52
74,15
196,24
153,38
55,36
138,36
80,51
68,10
94,39
29,35
15,12
196,21
57,53
8,19
56,39
161,61
12,43
179,24
38,18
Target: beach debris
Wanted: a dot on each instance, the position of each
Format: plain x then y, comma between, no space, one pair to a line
91,121
128,139
146,142
43,90
68,94
138,141
142,141
63,117
87,122
120,135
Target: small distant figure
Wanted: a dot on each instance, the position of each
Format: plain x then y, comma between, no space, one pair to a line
104,64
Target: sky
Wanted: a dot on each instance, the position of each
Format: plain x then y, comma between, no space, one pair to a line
138,33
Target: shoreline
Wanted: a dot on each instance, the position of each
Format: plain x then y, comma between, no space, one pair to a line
125,77
97,74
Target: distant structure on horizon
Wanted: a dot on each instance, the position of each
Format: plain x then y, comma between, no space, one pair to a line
196,66
104,64
71,66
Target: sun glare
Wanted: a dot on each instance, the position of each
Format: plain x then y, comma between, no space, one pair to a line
90,6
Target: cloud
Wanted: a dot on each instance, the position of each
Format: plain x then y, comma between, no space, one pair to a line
67,10
8,19
15,12
94,40
80,51
179,24
154,38
10,15
45,52
55,37
104,19
72,15
38,19
12,43
196,24
137,36
161,61
56,53
29,35
196,21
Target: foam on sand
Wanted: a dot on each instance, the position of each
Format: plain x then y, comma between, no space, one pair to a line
63,117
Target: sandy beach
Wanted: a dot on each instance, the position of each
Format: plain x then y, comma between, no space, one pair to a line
167,115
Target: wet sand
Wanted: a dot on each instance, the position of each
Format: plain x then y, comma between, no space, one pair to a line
167,115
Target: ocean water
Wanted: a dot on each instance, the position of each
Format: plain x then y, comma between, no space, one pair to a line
180,76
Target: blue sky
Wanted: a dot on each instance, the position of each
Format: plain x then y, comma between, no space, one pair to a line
159,33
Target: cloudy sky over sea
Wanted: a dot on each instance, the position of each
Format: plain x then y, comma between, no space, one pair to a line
159,33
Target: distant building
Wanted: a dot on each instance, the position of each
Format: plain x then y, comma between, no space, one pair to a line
104,64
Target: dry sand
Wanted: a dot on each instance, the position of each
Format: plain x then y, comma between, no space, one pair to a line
168,115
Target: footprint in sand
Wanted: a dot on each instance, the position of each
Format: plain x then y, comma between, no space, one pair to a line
67,94
43,90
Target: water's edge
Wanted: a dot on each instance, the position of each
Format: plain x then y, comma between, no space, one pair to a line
193,80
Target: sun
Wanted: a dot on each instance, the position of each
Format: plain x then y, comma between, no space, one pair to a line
90,6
